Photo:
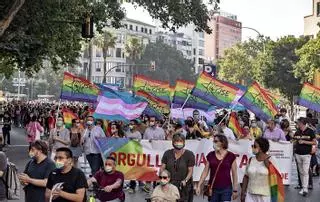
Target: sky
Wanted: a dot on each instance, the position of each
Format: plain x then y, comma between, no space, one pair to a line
274,18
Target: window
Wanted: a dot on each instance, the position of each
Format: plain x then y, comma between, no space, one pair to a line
137,28
141,29
146,30
150,31
194,51
98,52
318,9
201,34
200,60
118,52
126,26
201,43
98,66
130,27
201,52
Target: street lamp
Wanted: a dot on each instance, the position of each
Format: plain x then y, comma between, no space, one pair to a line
259,35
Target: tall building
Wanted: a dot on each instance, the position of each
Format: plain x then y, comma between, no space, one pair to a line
117,55
226,32
311,27
180,41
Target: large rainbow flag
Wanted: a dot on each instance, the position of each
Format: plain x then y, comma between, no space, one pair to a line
310,97
78,89
156,88
68,116
234,125
257,101
182,91
216,92
159,106
276,184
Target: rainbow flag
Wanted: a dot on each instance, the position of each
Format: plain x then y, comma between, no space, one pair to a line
310,97
182,91
216,92
161,107
68,115
257,101
276,184
78,89
156,88
234,125
274,97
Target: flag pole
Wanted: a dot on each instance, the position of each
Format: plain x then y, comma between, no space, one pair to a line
185,102
225,116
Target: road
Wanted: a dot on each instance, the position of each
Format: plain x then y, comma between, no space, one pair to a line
18,154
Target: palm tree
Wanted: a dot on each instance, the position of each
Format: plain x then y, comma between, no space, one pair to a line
134,49
105,41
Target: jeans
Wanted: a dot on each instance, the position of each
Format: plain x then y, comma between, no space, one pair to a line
6,135
303,162
221,195
95,162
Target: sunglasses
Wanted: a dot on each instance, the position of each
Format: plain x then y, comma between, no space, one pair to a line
163,177
254,146
215,141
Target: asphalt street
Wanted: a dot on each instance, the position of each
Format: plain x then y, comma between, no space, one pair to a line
17,153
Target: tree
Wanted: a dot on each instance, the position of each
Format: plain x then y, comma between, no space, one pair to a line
277,65
170,63
309,61
238,65
105,41
34,31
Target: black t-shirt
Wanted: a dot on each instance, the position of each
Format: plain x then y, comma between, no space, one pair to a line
72,181
178,167
307,135
37,171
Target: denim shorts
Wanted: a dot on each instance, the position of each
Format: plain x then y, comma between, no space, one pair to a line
221,195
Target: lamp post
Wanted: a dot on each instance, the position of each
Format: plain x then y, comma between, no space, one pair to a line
259,35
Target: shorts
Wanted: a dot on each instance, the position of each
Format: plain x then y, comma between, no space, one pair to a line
220,195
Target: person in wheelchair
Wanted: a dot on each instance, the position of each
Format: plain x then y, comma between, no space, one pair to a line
110,182
165,192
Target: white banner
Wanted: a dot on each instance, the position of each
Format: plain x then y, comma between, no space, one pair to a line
150,153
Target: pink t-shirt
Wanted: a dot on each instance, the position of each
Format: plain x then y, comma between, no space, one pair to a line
223,178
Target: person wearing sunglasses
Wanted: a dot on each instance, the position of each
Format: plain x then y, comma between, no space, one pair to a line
165,191
221,164
255,183
180,162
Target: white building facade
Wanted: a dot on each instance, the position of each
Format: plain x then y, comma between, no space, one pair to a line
117,55
311,27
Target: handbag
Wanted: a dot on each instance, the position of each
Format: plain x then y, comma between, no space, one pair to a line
208,191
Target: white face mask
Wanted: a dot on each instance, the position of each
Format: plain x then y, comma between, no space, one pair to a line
89,123
108,169
216,147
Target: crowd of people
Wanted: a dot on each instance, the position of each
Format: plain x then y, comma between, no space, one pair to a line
54,151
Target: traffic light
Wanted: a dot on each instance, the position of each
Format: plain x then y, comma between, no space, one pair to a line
87,27
153,66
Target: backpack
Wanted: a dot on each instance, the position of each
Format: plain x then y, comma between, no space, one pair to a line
12,182
75,139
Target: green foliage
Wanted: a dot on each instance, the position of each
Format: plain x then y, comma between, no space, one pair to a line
170,63
134,48
49,30
309,61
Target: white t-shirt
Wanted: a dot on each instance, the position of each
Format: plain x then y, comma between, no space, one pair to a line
229,133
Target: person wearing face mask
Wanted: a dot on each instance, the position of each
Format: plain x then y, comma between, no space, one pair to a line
134,134
165,192
33,130
59,137
153,132
75,140
36,172
180,162
74,183
273,132
91,150
198,120
255,184
255,131
221,163
111,181
116,130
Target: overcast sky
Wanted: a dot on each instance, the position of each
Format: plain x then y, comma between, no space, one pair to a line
274,18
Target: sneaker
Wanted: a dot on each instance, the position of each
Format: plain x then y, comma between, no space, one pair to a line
298,187
132,191
303,193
